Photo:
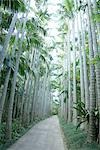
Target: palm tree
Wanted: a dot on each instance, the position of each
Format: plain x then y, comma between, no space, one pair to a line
86,82
96,54
69,12
81,58
92,127
69,85
4,93
11,99
74,73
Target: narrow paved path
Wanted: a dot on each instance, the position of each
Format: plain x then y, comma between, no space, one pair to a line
46,135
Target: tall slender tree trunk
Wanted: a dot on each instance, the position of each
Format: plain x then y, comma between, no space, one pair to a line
96,11
35,96
45,90
32,105
74,73
11,100
92,121
2,101
67,89
65,80
69,84
15,106
86,80
81,61
12,94
36,82
26,101
29,101
40,97
96,54
7,78
22,104
7,40
62,100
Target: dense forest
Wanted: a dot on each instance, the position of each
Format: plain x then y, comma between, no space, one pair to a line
34,83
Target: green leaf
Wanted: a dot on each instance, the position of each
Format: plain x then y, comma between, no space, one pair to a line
14,5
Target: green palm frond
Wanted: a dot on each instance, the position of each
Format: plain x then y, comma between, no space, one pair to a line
14,5
45,60
68,5
43,15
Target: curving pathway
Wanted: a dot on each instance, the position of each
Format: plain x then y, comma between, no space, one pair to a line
46,135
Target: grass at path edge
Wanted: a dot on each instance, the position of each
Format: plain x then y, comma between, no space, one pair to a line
76,139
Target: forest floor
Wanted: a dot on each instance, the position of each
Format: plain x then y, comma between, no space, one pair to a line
46,135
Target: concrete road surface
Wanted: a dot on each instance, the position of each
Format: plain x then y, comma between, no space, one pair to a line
46,135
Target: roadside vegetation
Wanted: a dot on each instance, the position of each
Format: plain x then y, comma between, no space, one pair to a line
17,131
76,139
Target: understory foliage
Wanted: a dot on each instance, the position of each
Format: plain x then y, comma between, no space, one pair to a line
18,130
55,108
76,139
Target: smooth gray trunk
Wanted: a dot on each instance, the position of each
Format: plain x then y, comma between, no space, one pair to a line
32,105
92,127
2,100
69,84
86,80
26,101
11,99
74,74
7,40
22,104
96,53
15,106
81,61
